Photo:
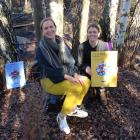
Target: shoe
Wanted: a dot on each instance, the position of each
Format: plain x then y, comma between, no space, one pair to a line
62,123
103,98
78,113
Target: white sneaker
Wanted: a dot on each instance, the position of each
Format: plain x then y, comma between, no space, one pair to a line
79,113
63,124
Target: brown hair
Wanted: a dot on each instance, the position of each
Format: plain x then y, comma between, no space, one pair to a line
46,19
97,26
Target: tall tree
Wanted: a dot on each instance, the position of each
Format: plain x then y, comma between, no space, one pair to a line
113,15
56,12
109,19
27,6
38,16
123,22
84,20
7,39
136,15
76,27
132,39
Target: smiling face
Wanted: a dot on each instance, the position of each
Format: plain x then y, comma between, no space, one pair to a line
49,29
93,34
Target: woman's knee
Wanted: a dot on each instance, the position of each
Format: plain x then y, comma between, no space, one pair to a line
87,82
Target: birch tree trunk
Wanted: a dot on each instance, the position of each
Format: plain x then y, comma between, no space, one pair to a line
56,12
27,6
123,22
84,20
109,19
113,15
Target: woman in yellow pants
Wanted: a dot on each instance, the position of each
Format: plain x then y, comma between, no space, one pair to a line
74,92
59,74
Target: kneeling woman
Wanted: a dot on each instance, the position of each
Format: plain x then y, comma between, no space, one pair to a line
93,43
59,79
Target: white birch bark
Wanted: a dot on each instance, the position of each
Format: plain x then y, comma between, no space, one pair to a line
123,22
113,15
84,20
27,6
56,11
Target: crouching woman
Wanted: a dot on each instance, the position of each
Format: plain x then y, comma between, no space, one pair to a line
60,79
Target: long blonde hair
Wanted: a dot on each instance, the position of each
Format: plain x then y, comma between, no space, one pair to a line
46,19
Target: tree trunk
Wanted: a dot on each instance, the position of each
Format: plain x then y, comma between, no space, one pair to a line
7,41
109,19
7,38
76,28
105,23
113,15
44,8
136,16
27,6
84,20
123,22
133,34
56,12
38,16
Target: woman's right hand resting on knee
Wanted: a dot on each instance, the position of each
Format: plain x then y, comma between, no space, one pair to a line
77,79
80,78
71,79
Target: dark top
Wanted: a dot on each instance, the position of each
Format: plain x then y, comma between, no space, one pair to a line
87,55
46,70
55,74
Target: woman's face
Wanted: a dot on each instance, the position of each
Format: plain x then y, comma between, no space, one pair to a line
49,29
93,34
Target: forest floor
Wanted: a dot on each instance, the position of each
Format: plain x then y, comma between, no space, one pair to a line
22,116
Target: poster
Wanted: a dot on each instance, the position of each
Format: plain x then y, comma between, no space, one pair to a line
15,76
104,68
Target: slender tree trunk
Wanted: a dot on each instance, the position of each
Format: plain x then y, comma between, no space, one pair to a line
26,3
105,24
76,28
133,34
38,16
84,20
27,6
136,17
113,15
56,12
44,8
109,19
10,5
123,22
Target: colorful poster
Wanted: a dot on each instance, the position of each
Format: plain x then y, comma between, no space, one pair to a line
15,76
104,68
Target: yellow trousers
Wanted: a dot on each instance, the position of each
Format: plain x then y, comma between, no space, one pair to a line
74,93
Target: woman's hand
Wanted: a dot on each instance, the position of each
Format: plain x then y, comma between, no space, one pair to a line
80,78
88,70
71,79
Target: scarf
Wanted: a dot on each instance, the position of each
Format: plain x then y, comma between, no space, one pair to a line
50,51
58,55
